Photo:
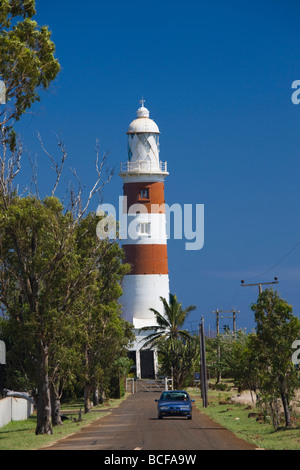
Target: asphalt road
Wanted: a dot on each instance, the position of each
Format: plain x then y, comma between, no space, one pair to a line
134,426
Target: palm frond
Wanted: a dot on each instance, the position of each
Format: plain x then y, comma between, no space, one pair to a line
153,340
161,320
168,323
149,328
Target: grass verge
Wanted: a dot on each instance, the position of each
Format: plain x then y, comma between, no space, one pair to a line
20,435
235,417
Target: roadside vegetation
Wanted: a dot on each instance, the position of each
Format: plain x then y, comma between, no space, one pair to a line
247,421
178,350
261,363
20,435
254,378
60,284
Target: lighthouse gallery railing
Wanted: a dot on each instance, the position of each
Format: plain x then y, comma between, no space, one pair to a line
142,166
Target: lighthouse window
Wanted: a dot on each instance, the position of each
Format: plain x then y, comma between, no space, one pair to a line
144,193
129,153
145,228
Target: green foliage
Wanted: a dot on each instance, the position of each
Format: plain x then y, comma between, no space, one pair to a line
238,359
277,329
101,331
262,361
59,291
27,62
177,349
32,283
178,359
169,323
244,362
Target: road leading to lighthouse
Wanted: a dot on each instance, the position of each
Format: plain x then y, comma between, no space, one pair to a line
134,426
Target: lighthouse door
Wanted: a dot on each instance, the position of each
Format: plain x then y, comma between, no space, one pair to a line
147,364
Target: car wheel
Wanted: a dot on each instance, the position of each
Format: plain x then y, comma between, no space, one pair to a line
160,417
190,417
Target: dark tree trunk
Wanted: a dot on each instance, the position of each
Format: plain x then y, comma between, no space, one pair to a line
55,406
101,394
96,399
285,402
87,400
274,413
87,386
287,415
43,399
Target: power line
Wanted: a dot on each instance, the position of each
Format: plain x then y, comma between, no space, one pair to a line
234,297
259,284
278,262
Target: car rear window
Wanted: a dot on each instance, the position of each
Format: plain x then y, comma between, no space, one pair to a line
174,396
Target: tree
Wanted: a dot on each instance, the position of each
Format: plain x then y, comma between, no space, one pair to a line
179,359
242,360
45,279
41,278
175,345
102,333
169,323
27,61
35,239
60,288
277,328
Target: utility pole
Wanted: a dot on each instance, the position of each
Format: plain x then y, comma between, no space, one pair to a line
234,312
259,284
203,370
218,344
233,316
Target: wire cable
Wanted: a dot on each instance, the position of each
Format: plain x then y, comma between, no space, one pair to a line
276,264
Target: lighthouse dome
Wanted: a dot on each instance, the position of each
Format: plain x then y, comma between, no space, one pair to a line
143,124
143,148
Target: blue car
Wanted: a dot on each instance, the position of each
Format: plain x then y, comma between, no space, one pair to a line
174,403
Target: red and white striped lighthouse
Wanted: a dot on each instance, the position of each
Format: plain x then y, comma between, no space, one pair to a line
145,245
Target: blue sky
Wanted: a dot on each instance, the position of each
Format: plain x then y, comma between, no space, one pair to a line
216,77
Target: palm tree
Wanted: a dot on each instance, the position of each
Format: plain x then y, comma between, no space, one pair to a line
169,322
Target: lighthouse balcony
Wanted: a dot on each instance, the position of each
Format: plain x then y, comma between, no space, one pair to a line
144,166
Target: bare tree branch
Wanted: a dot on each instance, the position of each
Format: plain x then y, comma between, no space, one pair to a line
34,166
57,167
99,184
10,165
77,204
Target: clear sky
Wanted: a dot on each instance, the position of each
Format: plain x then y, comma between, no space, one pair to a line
216,77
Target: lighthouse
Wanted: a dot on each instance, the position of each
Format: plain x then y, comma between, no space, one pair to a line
145,243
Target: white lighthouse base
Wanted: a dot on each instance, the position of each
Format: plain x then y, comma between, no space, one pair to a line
145,359
140,293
